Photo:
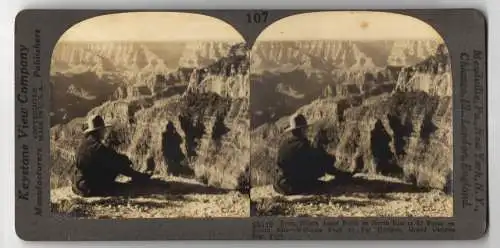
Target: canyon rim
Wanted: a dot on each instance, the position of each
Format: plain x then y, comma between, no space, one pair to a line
376,91
144,73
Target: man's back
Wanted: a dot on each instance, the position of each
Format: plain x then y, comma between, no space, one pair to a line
297,159
294,158
95,163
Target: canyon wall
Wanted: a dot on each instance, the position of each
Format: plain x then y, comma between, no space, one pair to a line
211,120
394,121
86,74
347,55
287,75
393,93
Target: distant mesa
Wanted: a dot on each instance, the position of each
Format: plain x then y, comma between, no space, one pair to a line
339,55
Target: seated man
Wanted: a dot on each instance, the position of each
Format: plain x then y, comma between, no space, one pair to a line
301,165
97,165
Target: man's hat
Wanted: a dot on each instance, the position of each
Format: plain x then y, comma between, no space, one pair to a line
297,121
94,123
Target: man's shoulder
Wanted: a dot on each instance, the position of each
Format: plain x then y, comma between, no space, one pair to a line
292,143
89,144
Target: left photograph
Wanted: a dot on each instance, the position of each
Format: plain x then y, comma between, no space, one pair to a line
149,118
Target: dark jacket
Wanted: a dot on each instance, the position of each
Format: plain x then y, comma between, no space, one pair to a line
97,166
299,161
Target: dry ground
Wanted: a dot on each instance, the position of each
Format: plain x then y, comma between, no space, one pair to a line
367,195
183,198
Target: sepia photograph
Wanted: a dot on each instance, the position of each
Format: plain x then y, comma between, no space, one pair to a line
351,116
149,118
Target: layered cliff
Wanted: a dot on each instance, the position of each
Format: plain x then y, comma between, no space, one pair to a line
406,135
203,53
399,125
126,58
346,55
131,57
229,76
287,75
279,94
73,95
85,75
432,75
213,126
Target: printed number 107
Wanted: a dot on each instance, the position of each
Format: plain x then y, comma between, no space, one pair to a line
258,17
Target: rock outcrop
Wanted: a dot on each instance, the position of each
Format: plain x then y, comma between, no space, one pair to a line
287,75
376,113
73,95
126,58
213,125
279,94
389,122
432,75
132,57
92,73
406,135
226,77
204,53
346,55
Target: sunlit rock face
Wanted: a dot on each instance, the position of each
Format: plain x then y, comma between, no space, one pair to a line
379,107
207,104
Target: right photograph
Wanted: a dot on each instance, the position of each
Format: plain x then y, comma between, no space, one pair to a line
351,116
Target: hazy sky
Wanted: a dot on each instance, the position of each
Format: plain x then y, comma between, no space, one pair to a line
151,26
349,26
157,26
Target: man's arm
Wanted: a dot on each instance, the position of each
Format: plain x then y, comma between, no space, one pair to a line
325,161
329,167
116,161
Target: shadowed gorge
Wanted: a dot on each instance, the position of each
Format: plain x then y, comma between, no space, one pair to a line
402,132
381,110
380,148
85,75
380,107
149,118
287,74
181,121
